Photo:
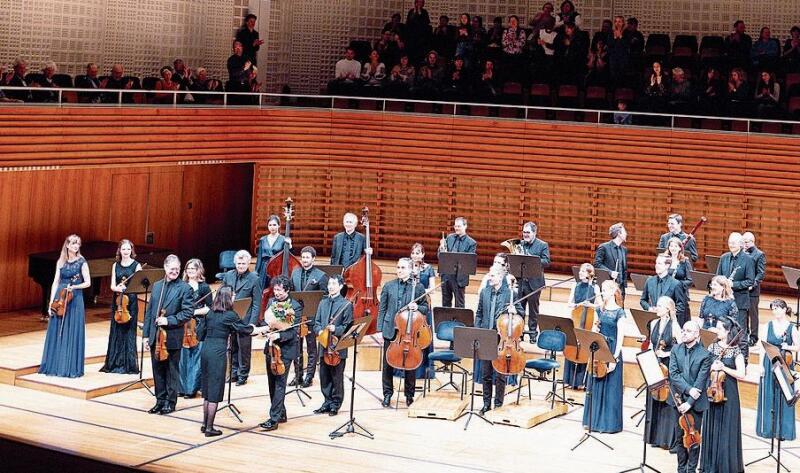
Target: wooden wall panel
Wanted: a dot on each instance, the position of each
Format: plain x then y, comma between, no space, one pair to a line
129,217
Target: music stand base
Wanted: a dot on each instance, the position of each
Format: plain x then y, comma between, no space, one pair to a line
587,436
641,468
469,415
351,427
138,381
300,393
767,456
234,410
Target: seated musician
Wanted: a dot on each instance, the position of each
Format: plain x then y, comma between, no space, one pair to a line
493,300
335,314
689,367
348,245
245,283
395,295
307,278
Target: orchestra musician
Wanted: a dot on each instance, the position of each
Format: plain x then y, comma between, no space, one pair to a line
675,227
189,366
500,262
169,308
348,245
396,294
280,311
760,263
662,284
492,300
335,313
245,283
781,332
307,278
426,277
613,257
585,293
453,287
681,269
664,334
606,391
122,354
65,339
533,246
721,448
719,303
268,246
738,266
689,367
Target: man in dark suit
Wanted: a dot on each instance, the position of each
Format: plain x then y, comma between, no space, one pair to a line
760,262
675,226
349,244
662,284
172,297
456,242
335,313
534,247
493,299
88,81
307,278
286,339
613,257
737,265
17,79
689,366
245,283
395,295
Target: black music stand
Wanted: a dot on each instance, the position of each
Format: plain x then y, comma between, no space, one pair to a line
478,344
602,276
782,389
575,272
639,280
525,267
140,283
598,351
660,250
330,269
351,339
309,300
702,280
642,318
567,326
452,314
792,276
653,379
711,263
241,307
457,264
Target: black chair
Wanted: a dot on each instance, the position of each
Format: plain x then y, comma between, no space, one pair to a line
553,342
685,41
226,263
63,80
448,359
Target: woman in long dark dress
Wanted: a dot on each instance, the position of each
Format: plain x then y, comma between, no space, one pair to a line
427,278
721,446
268,246
122,352
782,333
214,330
65,340
680,269
584,294
606,392
664,334
189,366
719,304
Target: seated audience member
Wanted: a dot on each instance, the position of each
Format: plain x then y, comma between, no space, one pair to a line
430,77
202,83
117,81
620,117
248,37
395,25
711,93
17,79
513,47
166,83
597,65
401,79
181,74
457,83
681,94
345,79
570,57
487,86
254,86
767,96
790,58
3,97
765,50
567,14
45,79
372,75
444,38
656,90
739,95
738,45
387,49
88,81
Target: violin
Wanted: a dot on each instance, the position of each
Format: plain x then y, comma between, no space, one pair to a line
61,303
585,318
161,352
328,340
121,314
661,394
276,365
284,262
364,276
190,328
691,436
716,379
510,355
412,335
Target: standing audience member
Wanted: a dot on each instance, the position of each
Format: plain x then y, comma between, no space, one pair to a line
248,36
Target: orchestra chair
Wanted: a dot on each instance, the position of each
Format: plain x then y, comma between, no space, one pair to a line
553,342
448,359
226,263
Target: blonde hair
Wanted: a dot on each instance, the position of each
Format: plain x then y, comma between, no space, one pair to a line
589,270
727,287
666,301
64,257
608,284
201,271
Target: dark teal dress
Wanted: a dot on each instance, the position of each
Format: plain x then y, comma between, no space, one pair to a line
575,374
65,341
606,392
122,351
713,310
766,394
189,366
721,448
213,330
663,417
264,253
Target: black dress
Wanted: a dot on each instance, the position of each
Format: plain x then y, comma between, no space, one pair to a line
682,273
721,448
214,330
663,417
121,353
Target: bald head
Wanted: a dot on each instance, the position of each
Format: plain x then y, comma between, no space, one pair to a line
691,332
748,240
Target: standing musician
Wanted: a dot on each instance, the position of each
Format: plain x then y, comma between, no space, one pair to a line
689,366
426,277
331,378
738,266
664,334
718,304
268,246
348,245
500,262
760,262
281,311
189,367
458,242
121,356
662,284
586,293
395,295
533,246
493,299
245,283
675,227
681,270
169,308
613,257
307,278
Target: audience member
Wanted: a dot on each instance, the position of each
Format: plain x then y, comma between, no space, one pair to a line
618,51
464,46
605,30
387,48
202,83
681,94
597,65
182,74
45,79
345,79
238,73
712,92
395,25
656,90
3,97
248,37
17,79
494,39
166,83
444,37
738,45
401,79
488,84
543,55
570,52
418,31
620,117
372,74
768,95
513,44
88,81
478,37
117,81
430,77
542,20
738,93
567,14
635,46
791,52
457,83
765,51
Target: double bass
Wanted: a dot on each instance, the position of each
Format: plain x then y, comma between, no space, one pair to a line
284,262
364,277
413,334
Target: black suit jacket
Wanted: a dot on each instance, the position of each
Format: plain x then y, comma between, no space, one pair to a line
314,274
689,369
288,340
329,307
669,287
248,285
338,255
483,316
466,245
393,298
690,248
177,302
541,249
760,261
743,278
606,258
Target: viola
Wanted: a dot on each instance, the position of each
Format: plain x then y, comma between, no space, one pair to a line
364,277
161,352
328,339
412,335
121,314
284,262
510,355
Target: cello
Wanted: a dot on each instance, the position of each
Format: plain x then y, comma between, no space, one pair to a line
510,355
284,262
412,335
364,276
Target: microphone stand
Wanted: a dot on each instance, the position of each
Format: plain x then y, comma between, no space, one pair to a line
146,284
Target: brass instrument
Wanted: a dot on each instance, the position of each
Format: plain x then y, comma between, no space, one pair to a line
514,246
